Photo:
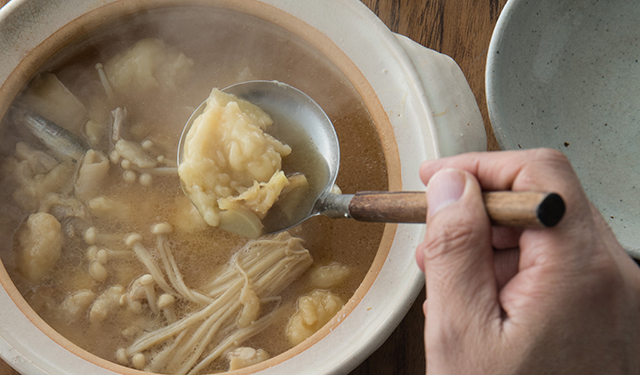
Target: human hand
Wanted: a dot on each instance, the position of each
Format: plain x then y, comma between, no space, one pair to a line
561,300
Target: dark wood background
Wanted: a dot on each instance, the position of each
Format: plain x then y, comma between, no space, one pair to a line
461,29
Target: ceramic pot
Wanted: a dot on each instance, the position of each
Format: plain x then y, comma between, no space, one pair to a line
419,100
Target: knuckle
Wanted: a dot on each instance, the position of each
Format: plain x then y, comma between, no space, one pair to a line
551,155
441,239
551,170
553,159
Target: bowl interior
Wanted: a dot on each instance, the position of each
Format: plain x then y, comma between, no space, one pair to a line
566,75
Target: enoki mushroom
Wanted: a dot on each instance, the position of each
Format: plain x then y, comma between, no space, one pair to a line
230,305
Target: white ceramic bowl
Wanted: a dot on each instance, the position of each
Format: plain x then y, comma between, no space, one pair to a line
418,98
565,74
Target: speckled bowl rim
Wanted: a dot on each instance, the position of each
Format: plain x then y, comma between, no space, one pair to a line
490,75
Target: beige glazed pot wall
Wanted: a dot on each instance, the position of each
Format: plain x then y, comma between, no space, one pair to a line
421,104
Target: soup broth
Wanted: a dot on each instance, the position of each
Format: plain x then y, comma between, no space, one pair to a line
98,258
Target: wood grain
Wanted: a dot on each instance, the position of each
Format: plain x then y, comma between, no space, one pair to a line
5,369
458,28
461,29
389,207
520,209
524,209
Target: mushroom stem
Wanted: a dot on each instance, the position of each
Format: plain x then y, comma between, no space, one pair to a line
104,80
165,303
119,116
171,267
133,241
92,236
147,282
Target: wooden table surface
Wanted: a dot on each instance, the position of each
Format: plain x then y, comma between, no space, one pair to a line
461,29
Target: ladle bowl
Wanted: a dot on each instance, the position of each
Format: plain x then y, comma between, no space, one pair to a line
299,122
302,124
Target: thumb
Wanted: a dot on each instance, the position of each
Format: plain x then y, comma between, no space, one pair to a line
457,253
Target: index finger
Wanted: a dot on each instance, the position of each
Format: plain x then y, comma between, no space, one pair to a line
526,170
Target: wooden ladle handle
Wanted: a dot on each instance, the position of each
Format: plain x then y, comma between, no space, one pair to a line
505,208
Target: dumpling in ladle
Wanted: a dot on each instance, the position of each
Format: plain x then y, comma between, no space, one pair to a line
231,168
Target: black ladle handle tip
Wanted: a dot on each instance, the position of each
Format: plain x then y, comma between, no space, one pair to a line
551,210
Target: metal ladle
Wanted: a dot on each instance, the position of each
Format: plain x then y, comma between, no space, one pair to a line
300,122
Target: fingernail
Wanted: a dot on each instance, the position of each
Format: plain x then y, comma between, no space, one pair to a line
444,188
